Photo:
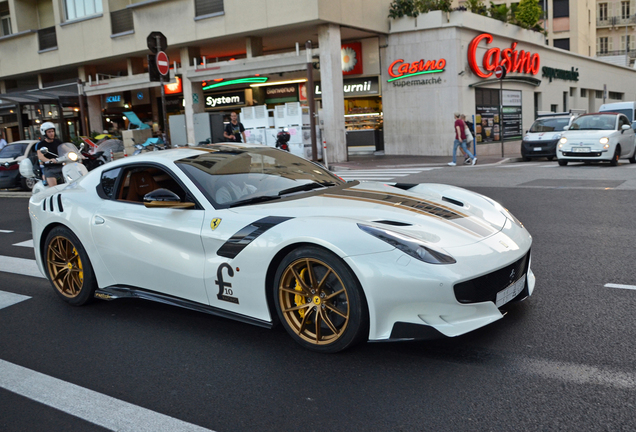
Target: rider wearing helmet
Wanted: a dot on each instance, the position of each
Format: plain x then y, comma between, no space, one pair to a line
51,169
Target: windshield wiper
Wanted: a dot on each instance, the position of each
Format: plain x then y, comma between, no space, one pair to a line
254,200
305,187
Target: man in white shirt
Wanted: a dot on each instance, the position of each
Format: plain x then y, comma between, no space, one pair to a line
3,143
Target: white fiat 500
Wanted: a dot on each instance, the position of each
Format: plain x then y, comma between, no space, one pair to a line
597,137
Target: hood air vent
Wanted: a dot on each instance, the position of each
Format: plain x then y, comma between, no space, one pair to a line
394,223
453,201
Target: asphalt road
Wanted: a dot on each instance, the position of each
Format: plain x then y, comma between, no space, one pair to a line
561,360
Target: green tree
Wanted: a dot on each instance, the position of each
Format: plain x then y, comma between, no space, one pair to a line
477,6
499,12
400,8
528,14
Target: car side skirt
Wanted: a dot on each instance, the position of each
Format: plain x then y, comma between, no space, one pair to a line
118,291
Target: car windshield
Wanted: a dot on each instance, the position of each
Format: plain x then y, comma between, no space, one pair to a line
595,122
550,124
12,151
231,177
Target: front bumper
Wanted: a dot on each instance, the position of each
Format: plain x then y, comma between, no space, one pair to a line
409,299
532,149
596,153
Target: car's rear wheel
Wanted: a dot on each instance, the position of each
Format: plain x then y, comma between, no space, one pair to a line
633,158
320,301
68,267
550,158
616,157
563,162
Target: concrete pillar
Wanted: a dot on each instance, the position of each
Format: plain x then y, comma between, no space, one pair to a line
192,93
253,46
135,65
95,114
332,92
3,87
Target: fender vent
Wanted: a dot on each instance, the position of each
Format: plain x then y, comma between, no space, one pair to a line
51,205
394,223
453,201
59,203
44,205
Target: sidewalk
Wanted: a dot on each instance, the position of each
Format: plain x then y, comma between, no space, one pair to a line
381,161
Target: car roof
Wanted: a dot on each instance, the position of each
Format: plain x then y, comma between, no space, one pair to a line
23,142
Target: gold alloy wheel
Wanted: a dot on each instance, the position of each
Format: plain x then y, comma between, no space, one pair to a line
314,301
65,267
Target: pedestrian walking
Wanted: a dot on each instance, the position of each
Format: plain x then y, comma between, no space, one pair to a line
469,138
460,140
234,130
3,142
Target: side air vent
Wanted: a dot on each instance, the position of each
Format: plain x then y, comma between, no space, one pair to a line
59,203
51,205
453,201
394,223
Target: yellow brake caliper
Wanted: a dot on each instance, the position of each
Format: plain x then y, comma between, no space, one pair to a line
300,299
79,265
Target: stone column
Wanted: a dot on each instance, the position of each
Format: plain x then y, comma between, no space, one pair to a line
192,93
332,92
94,114
253,46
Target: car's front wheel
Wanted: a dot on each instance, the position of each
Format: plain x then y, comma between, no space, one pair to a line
320,301
68,267
562,162
616,157
27,183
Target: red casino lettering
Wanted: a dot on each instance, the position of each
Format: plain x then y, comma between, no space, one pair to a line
513,60
398,68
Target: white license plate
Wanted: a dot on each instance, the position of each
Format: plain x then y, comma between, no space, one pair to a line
504,296
538,149
580,149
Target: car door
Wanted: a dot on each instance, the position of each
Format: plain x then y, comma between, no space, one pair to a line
628,138
156,249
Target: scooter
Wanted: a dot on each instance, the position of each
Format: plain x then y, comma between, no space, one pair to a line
72,168
154,142
282,138
92,160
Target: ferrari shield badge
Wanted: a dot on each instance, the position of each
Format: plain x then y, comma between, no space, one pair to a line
215,223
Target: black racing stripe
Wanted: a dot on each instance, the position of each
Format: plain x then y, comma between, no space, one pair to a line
247,235
419,205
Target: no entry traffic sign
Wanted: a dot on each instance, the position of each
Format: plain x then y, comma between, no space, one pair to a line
500,72
163,64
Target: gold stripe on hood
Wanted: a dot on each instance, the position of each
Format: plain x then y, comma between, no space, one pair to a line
423,207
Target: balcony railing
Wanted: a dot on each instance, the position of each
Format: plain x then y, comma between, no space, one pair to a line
47,38
121,21
632,53
615,21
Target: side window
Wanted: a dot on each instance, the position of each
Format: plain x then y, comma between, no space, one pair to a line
107,183
138,181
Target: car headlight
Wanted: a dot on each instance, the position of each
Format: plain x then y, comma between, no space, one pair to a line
409,245
526,138
563,140
604,140
556,136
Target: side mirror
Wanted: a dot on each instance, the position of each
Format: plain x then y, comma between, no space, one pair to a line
566,127
625,127
164,198
44,150
81,147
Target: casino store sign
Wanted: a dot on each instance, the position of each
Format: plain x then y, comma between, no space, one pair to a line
513,60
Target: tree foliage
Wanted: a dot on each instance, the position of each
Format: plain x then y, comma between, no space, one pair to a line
528,14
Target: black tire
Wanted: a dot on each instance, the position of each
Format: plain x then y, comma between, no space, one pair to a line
633,158
311,282
563,162
616,157
68,268
526,159
550,158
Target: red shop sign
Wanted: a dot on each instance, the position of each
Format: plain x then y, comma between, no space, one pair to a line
399,69
510,58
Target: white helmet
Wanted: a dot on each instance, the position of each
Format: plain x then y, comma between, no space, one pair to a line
46,126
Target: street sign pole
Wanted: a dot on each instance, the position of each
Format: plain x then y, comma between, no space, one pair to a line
163,103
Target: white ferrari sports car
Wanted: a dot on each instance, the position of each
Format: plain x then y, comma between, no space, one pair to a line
259,235
602,136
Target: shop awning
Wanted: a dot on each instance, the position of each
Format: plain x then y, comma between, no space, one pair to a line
523,80
65,95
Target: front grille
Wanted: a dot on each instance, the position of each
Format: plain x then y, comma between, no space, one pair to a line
486,287
582,155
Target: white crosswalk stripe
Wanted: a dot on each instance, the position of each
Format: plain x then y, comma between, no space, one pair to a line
380,174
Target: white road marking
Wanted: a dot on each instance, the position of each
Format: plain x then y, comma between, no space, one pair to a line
27,243
611,285
9,299
105,411
6,231
21,266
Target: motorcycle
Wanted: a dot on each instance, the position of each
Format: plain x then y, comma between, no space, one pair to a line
156,144
69,158
282,139
92,160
